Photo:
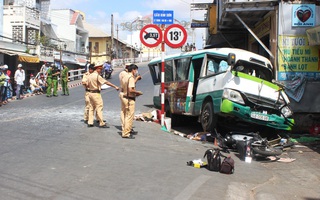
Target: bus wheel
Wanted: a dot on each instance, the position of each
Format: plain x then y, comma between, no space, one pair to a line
208,119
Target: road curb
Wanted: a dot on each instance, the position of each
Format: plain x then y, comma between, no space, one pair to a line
70,85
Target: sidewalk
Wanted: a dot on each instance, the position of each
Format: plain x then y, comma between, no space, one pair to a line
71,84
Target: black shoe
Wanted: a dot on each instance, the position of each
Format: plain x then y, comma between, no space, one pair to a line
132,132
130,137
85,121
97,121
104,126
90,125
49,96
55,95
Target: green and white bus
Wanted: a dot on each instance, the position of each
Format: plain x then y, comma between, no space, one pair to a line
222,86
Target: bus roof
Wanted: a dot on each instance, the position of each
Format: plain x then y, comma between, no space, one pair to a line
240,53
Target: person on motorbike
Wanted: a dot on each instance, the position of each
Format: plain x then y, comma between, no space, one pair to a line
107,69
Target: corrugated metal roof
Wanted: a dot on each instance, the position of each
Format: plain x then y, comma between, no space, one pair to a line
94,31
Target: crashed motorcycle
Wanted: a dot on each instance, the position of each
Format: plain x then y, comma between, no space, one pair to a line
253,144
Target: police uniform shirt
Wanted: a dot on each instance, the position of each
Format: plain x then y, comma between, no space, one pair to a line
122,78
85,78
129,83
95,81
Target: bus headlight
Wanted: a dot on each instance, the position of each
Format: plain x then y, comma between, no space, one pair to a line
286,111
233,95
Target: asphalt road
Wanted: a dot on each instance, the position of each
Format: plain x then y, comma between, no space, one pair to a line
46,152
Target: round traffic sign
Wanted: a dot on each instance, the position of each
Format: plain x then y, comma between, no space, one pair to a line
175,35
151,35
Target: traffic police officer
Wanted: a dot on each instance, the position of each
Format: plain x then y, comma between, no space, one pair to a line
94,83
55,75
129,97
49,80
122,78
86,95
64,80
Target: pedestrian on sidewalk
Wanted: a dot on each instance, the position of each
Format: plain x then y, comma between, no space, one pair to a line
19,78
64,80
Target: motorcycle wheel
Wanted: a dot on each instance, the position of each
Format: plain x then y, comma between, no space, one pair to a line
267,151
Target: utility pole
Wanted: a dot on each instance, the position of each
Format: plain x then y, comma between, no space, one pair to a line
117,42
111,37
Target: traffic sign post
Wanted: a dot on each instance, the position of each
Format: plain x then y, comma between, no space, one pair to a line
174,36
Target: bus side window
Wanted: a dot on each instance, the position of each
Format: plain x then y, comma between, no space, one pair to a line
182,68
168,71
223,66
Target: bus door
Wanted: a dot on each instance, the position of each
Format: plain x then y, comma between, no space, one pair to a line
155,71
176,90
194,74
211,81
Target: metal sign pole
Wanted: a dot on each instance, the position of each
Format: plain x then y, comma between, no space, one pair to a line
162,75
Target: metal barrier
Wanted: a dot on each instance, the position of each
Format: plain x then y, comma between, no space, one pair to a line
76,74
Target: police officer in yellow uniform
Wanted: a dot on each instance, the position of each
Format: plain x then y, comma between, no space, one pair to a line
129,96
94,83
122,76
86,96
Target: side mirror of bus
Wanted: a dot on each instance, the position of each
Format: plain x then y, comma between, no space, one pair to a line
238,68
231,59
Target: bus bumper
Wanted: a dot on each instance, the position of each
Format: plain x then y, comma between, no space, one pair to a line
246,114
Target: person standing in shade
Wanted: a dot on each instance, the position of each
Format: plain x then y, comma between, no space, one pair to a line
94,83
2,81
64,80
49,80
44,68
129,96
55,76
19,77
86,95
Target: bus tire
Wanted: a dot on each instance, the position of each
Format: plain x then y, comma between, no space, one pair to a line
208,118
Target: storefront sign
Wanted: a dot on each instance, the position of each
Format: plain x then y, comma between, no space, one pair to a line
313,35
296,56
303,15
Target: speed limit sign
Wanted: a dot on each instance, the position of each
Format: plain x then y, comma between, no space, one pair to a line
175,36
